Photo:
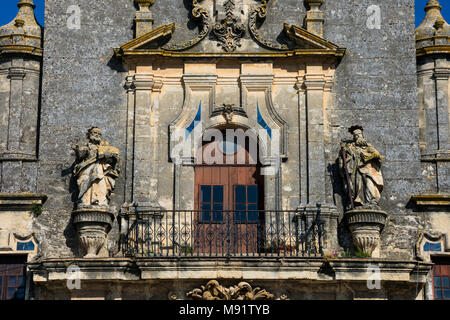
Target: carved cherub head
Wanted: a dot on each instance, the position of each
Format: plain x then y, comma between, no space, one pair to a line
94,135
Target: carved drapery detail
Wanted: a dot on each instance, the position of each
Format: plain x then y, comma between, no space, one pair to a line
257,17
243,291
228,31
199,13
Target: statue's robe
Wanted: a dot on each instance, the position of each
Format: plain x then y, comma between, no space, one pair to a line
366,179
96,173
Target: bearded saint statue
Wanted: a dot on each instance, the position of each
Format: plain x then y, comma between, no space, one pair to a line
96,170
360,167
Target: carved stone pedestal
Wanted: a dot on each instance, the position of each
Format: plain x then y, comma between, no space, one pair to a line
93,225
365,226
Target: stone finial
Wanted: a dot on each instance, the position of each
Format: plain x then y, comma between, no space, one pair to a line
144,17
433,30
23,33
314,17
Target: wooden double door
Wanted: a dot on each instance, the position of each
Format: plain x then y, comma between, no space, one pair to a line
229,209
229,204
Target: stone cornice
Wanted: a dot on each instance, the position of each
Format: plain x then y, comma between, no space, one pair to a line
432,50
105,269
21,200
436,156
12,155
161,32
23,49
280,54
308,44
426,200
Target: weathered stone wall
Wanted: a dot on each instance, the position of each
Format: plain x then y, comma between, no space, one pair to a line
82,87
19,101
375,86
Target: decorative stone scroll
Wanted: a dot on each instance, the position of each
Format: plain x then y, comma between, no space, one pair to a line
229,32
257,17
243,291
199,13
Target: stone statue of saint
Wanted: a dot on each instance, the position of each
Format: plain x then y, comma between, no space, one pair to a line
96,170
360,167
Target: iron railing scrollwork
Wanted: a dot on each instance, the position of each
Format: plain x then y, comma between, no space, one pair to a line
224,233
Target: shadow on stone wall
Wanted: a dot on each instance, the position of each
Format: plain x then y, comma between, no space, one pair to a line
70,232
340,200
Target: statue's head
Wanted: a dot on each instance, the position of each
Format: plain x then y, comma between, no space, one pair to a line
94,135
358,135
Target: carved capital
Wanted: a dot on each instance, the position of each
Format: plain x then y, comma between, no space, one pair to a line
145,3
16,73
144,81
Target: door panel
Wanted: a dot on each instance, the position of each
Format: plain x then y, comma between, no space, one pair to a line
12,277
231,234
441,279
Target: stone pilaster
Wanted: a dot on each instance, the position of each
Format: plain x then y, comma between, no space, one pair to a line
145,143
315,148
314,17
16,76
441,75
129,152
144,17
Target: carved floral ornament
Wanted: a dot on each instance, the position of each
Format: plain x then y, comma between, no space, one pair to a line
242,291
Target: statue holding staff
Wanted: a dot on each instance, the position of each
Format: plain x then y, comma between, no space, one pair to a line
360,167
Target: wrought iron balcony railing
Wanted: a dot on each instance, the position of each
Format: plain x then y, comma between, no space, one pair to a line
221,233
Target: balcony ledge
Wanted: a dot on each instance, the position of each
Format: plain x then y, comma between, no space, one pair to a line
191,268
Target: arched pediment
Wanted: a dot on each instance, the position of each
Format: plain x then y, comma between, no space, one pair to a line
234,28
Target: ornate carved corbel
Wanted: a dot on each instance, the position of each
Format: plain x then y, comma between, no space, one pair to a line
256,18
199,13
228,111
242,291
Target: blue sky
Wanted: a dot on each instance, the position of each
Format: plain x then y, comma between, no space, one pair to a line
9,10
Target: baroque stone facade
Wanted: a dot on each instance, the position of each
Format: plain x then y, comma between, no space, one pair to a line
153,75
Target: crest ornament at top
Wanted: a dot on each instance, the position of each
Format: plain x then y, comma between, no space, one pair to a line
229,32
